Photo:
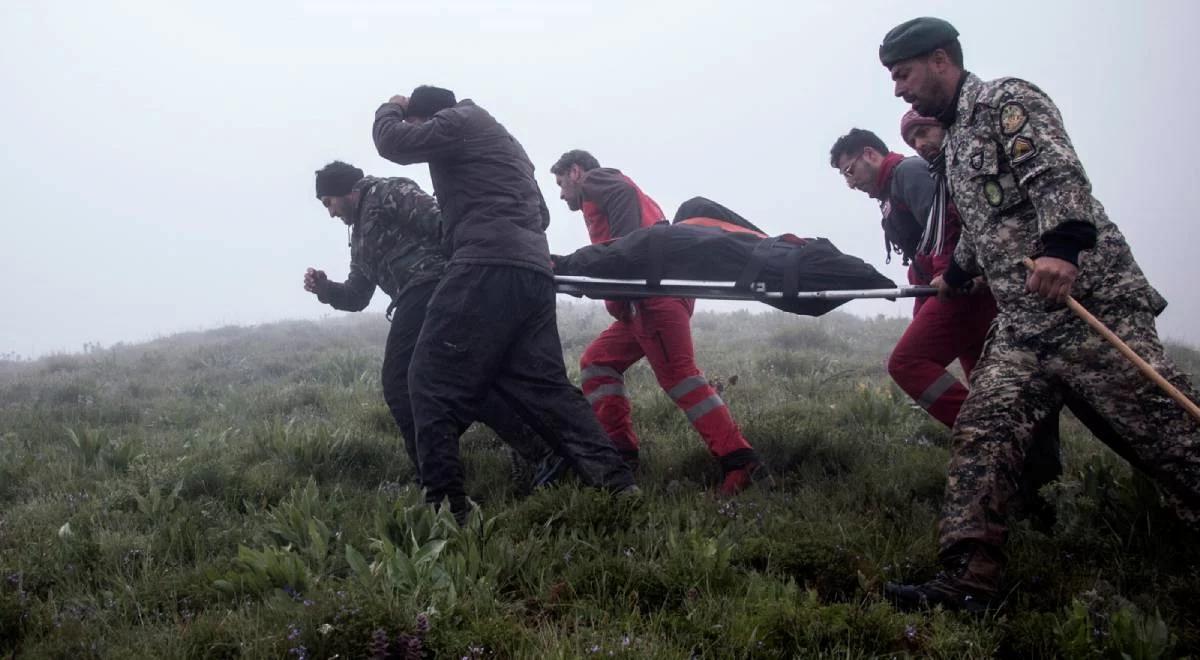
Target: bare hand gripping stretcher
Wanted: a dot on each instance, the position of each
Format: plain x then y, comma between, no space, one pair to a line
711,252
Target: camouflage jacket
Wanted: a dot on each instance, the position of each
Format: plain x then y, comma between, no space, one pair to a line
395,243
1014,176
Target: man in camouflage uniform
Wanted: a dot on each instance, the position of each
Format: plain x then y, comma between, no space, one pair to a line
1022,192
395,234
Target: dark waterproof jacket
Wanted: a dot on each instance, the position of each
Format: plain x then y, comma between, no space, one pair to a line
492,209
394,244
715,250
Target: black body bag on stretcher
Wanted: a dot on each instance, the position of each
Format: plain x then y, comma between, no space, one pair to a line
727,248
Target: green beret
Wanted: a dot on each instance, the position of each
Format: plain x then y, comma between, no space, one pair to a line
915,37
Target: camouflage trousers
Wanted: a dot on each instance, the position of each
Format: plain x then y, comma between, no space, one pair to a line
1018,384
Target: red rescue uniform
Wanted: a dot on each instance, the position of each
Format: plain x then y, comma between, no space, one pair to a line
658,329
941,330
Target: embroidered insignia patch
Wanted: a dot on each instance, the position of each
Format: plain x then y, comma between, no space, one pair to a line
1012,117
1022,150
977,160
992,192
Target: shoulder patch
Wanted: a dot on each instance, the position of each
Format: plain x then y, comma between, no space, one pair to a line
1012,117
977,159
1022,150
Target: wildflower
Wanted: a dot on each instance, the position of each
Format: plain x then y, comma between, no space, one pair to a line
412,648
422,623
379,644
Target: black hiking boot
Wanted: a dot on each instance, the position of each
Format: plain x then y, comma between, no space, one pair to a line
942,590
968,581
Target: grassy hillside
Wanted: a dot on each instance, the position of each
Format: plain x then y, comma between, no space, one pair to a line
243,493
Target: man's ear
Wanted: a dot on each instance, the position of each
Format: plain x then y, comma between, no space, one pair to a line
939,60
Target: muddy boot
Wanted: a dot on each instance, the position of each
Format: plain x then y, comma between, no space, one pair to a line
969,581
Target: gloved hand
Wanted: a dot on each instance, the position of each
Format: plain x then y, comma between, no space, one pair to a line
619,309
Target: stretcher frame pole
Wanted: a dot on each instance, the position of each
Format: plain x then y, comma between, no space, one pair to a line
613,288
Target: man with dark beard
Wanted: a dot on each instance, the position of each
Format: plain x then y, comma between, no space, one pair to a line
1022,192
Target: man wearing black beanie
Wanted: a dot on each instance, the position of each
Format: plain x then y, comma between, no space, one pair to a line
395,233
492,322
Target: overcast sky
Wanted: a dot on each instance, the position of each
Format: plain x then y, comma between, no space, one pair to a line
159,156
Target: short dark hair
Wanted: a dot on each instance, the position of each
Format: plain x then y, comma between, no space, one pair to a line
337,179
953,50
583,159
427,100
854,142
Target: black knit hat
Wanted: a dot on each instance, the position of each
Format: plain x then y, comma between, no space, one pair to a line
426,100
337,179
915,37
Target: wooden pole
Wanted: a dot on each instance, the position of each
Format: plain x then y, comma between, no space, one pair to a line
1143,366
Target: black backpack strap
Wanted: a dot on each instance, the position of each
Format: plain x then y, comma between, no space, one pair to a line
756,263
791,271
656,249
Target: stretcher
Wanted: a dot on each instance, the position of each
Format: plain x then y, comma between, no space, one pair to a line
711,252
618,289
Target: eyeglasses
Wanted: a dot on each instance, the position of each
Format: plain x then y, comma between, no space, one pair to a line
848,170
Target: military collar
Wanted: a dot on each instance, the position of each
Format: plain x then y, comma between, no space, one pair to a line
968,94
363,186
954,108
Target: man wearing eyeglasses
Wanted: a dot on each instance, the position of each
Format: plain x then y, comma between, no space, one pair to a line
941,330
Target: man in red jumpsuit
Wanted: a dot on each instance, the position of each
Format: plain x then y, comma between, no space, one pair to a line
921,226
658,329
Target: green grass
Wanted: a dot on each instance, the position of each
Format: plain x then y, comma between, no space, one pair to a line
243,493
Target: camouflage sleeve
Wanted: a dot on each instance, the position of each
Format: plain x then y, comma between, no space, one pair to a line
1039,151
402,201
964,266
353,295
405,144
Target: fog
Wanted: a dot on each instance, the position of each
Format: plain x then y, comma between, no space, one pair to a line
159,157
